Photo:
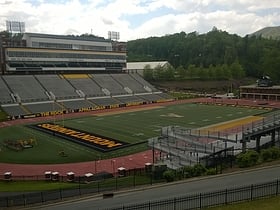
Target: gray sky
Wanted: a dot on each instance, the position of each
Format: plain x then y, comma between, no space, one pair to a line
140,18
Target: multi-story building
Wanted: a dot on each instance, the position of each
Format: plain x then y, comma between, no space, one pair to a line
45,53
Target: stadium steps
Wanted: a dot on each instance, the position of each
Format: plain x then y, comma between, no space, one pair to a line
144,87
106,91
128,90
66,77
25,109
40,83
6,84
61,105
120,84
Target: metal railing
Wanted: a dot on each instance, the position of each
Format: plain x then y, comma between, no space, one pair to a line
209,199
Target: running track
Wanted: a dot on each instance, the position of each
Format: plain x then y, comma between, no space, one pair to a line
110,165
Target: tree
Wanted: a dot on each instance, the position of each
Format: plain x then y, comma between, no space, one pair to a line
148,73
181,72
192,71
168,72
237,70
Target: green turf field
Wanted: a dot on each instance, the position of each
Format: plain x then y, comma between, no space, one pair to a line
132,127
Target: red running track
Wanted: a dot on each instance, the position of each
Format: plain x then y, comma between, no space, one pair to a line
111,165
137,160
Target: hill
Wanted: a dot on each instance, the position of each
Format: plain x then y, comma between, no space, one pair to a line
269,33
256,55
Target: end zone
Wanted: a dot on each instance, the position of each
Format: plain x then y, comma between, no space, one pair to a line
92,140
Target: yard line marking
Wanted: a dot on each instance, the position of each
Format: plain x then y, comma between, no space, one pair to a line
128,111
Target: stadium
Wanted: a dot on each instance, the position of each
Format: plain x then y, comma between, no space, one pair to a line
70,100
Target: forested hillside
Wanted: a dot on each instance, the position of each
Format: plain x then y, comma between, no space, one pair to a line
211,54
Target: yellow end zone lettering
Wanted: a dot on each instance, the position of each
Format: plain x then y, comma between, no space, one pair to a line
80,135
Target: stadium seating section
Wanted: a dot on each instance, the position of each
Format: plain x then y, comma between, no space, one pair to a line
42,95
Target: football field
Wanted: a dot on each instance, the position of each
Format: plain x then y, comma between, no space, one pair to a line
131,127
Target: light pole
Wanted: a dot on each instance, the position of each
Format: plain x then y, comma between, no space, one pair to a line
95,165
113,165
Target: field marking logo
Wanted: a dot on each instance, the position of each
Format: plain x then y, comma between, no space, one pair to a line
101,143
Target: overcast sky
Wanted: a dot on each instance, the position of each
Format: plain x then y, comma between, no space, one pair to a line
140,18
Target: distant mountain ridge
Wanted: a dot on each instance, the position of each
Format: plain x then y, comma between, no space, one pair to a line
268,33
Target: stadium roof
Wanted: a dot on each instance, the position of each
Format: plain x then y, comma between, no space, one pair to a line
70,37
141,65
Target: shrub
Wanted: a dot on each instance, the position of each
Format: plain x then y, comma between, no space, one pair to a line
266,155
169,175
211,171
198,170
188,171
247,159
275,153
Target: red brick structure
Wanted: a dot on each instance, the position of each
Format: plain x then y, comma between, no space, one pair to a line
256,92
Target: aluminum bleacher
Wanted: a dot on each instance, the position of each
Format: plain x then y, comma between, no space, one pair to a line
129,99
140,79
127,81
43,107
57,86
5,96
84,83
106,81
76,104
105,101
47,94
14,110
25,88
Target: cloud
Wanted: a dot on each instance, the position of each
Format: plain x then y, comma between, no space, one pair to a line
140,18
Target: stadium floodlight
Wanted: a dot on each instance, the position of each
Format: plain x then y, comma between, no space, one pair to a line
15,26
113,35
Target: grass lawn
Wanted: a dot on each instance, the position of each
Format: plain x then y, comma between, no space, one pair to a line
30,186
131,127
262,204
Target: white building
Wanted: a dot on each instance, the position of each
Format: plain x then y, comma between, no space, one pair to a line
139,66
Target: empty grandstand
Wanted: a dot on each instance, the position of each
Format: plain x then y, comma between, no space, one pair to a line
49,94
45,74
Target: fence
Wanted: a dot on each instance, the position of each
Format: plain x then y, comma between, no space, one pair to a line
210,199
84,186
197,201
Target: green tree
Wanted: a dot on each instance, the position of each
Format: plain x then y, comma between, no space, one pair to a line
181,72
237,70
168,73
192,71
148,73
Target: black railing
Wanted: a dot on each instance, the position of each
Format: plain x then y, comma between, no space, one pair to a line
209,199
196,201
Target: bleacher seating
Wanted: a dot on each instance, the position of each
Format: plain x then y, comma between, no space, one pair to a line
57,85
106,101
43,107
32,94
5,96
14,110
127,81
76,104
26,88
140,79
129,99
106,81
84,83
